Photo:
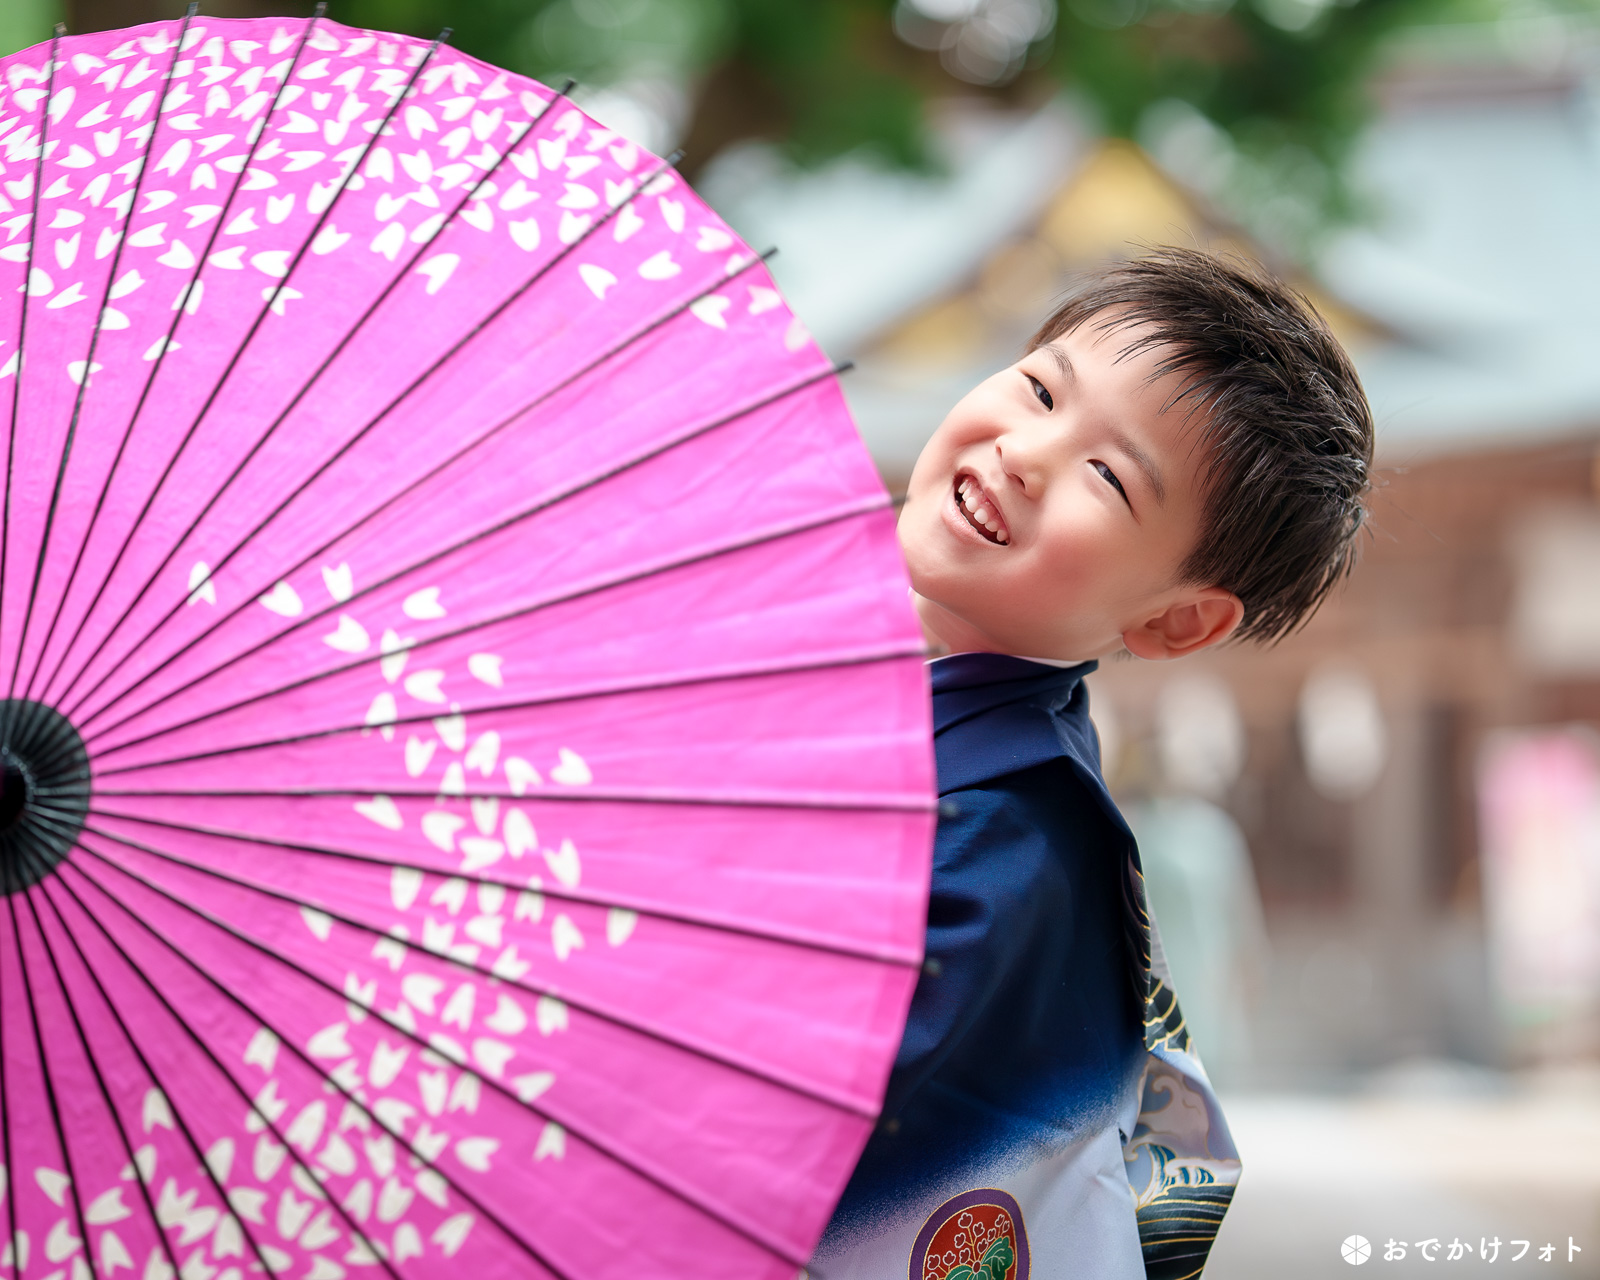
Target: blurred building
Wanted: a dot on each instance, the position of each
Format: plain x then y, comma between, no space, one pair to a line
1443,684
1375,893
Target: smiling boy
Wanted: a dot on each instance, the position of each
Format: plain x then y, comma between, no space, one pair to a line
1179,459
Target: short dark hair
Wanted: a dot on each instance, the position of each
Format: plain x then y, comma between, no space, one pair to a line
1283,417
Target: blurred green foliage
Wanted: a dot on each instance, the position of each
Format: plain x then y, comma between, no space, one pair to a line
820,77
1283,79
25,22
1262,97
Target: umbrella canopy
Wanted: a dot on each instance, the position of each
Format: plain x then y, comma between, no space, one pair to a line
467,794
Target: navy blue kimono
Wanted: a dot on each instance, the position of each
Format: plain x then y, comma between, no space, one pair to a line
1046,1101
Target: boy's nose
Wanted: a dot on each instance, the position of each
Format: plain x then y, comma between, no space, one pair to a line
1021,460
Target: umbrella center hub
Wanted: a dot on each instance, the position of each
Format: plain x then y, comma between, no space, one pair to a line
16,789
44,791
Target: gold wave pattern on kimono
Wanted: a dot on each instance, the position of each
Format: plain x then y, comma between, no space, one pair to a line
1181,1159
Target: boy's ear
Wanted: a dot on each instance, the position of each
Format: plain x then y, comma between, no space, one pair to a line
1204,617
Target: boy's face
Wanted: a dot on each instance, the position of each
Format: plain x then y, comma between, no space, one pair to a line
1051,511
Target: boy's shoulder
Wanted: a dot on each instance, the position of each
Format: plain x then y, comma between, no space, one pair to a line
1029,836
1029,839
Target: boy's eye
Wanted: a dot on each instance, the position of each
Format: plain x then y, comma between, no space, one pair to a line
1110,478
1039,390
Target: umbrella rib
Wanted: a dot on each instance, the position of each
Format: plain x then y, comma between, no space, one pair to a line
423,377
44,1075
266,1122
344,449
100,1083
22,338
888,654
400,275
88,373
155,1078
657,1179
589,795
20,727
885,652
854,511
558,894
216,390
748,1233
594,1011
149,383
574,488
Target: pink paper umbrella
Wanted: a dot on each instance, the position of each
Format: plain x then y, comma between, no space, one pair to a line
468,791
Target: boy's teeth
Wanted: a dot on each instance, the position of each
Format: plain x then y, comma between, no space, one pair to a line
968,493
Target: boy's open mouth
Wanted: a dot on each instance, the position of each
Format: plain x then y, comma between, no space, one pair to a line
980,510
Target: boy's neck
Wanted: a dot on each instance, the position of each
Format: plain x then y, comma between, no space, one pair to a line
947,634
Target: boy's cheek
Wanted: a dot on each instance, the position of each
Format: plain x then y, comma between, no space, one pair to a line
931,575
914,549
930,462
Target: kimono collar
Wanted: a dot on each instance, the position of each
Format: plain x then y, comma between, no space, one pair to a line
994,714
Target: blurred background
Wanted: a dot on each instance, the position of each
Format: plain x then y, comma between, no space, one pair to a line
1374,850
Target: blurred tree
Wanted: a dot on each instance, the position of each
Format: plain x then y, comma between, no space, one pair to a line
819,77
1271,89
102,15
1257,100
